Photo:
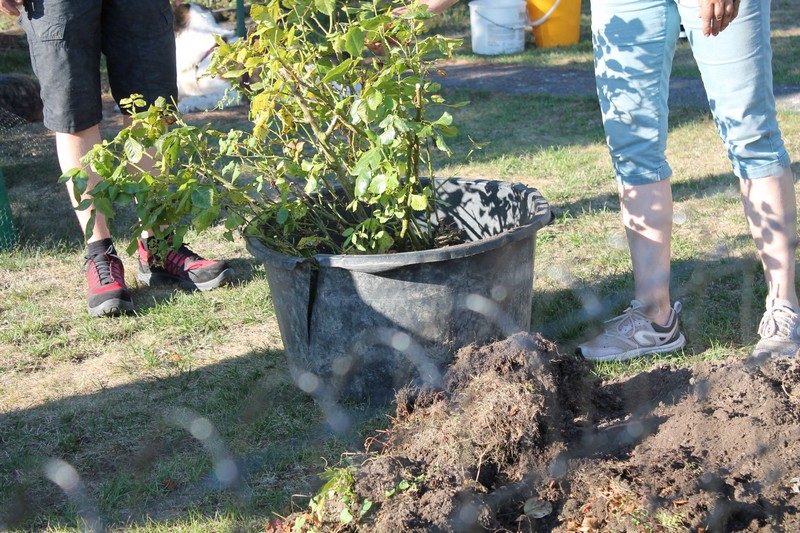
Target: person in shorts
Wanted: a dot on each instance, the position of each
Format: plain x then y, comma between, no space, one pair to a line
634,43
66,40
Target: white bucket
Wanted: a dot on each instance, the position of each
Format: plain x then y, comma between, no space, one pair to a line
498,26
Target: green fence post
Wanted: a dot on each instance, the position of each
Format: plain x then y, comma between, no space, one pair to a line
240,29
8,235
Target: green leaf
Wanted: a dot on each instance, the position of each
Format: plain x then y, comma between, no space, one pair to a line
75,173
402,125
335,74
234,221
378,184
445,120
388,136
384,241
311,184
366,505
123,199
418,202
442,145
103,205
382,183
84,204
354,41
345,517
368,160
205,218
325,6
233,74
355,113
80,180
133,150
282,216
374,99
203,197
170,150
103,164
450,131
362,183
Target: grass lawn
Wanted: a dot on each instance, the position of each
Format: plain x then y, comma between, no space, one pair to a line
137,422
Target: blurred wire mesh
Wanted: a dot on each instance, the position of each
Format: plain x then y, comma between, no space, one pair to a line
20,140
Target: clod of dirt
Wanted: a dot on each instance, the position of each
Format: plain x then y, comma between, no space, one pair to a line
487,433
523,439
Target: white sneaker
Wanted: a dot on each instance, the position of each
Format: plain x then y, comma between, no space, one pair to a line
633,334
779,330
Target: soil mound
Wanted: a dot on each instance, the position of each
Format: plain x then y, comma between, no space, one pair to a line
524,439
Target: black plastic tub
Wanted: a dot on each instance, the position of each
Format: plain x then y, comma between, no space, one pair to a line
362,326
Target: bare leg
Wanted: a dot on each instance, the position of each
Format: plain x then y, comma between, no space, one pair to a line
650,324
71,147
647,217
771,211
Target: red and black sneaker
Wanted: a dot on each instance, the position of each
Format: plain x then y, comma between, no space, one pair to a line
181,266
107,294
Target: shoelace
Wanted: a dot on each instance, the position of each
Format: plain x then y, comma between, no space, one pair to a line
107,270
779,321
176,260
626,322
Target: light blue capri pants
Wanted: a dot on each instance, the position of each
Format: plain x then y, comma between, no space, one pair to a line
634,43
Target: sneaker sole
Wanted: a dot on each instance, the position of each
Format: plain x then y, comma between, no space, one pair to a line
677,344
150,279
776,351
111,308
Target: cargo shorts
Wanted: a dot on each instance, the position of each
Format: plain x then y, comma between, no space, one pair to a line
68,37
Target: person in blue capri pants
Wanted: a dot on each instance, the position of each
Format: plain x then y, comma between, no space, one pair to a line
634,43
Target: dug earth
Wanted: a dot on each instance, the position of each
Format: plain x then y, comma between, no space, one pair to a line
522,438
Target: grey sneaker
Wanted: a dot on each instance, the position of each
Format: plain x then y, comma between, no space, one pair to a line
779,330
632,334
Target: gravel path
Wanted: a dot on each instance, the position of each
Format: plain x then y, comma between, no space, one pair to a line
523,79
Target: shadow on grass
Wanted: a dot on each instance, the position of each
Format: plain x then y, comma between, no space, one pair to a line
523,125
147,299
238,436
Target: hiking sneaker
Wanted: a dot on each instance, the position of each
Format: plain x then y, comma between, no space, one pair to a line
779,330
181,266
107,295
633,334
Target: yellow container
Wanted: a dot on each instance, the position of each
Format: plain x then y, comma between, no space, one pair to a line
555,22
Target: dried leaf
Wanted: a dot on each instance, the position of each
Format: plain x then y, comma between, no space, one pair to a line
536,508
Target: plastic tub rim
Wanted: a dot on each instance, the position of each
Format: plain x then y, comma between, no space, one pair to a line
383,262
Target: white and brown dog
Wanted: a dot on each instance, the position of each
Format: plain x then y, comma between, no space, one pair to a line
195,27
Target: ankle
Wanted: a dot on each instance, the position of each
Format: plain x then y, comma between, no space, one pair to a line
783,301
658,313
99,246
